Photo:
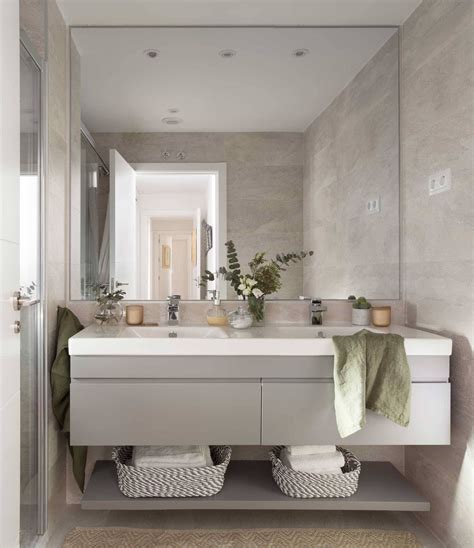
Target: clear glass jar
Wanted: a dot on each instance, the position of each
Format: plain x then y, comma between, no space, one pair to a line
110,312
241,318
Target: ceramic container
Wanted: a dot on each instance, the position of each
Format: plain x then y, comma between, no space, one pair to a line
134,314
361,316
381,316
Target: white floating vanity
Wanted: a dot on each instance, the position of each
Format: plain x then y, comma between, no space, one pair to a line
261,386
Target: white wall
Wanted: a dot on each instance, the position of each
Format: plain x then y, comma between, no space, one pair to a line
9,274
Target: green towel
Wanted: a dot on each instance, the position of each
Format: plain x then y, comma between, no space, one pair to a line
371,371
67,326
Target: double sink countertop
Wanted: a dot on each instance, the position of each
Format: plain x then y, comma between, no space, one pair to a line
271,340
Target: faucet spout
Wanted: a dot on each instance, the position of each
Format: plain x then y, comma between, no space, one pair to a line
173,309
316,312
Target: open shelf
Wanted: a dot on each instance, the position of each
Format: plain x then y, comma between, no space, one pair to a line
249,486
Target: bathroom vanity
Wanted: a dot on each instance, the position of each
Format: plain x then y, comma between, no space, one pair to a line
261,386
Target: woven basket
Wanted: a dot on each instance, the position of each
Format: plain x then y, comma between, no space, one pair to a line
139,481
304,485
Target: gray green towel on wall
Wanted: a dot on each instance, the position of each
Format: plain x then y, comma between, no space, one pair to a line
67,326
371,371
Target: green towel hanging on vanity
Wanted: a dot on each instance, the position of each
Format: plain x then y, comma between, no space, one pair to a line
371,371
67,326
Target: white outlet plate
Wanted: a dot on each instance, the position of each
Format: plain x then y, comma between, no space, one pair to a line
439,182
373,205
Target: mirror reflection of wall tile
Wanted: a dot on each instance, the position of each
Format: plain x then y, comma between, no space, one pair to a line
264,184
351,155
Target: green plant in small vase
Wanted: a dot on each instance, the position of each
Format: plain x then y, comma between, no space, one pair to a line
263,279
361,311
109,310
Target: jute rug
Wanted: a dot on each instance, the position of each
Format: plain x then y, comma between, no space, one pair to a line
119,537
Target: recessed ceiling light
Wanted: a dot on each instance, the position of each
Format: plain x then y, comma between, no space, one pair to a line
171,121
227,53
173,110
151,53
301,52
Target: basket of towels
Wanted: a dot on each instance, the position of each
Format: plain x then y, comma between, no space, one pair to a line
171,471
310,471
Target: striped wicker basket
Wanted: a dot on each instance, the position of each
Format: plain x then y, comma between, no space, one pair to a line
136,481
305,485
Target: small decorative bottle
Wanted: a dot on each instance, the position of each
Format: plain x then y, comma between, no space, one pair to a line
217,314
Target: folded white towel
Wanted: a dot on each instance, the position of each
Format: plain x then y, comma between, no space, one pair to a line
324,463
172,456
310,449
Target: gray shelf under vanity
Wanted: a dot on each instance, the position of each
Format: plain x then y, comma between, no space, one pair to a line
249,486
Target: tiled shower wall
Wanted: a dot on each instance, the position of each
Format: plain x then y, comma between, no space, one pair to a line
437,133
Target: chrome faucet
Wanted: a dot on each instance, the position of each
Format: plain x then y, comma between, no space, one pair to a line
316,312
173,309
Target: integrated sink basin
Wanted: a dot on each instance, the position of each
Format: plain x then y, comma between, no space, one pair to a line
202,340
178,331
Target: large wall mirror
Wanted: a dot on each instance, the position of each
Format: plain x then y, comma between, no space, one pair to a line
282,140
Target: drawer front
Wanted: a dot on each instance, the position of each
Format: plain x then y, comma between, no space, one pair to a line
302,413
165,413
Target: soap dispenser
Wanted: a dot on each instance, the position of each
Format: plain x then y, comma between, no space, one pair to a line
216,315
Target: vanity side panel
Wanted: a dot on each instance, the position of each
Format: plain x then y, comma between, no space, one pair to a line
165,413
302,413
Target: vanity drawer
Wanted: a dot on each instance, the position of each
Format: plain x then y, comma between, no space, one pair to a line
302,413
116,412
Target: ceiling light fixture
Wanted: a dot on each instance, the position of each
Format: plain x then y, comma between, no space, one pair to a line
171,121
151,53
227,53
301,52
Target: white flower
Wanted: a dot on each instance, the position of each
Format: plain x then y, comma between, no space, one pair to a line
242,286
257,292
251,282
246,292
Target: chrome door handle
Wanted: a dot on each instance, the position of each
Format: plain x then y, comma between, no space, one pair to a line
19,301
119,284
16,327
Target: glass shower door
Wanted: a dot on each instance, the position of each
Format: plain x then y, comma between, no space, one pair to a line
30,303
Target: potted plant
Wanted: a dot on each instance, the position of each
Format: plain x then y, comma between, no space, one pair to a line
263,279
109,309
361,311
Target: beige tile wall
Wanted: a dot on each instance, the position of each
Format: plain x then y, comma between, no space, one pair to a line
44,26
264,184
437,133
351,156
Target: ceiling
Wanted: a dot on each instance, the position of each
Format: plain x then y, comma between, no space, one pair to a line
263,88
184,183
237,12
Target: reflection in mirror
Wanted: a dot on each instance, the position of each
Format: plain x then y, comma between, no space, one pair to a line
288,145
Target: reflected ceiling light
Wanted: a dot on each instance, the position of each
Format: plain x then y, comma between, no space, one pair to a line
173,110
227,53
171,120
301,52
151,53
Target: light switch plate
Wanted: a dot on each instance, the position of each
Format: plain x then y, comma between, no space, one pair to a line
373,205
439,182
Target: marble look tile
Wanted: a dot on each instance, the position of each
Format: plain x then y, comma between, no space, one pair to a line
33,22
428,93
354,142
436,129
436,24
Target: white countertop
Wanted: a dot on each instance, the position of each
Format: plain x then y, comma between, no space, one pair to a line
272,340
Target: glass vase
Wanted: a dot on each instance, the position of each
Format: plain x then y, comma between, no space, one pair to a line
108,313
257,309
